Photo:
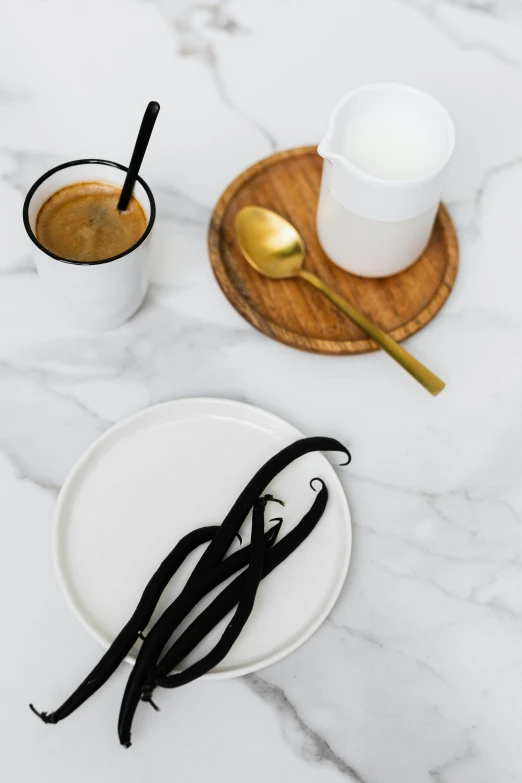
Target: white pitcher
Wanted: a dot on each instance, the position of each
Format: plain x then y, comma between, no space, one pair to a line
386,155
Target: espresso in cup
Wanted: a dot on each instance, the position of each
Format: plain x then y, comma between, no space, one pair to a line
81,222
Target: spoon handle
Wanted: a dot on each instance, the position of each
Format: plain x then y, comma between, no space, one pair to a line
147,124
421,374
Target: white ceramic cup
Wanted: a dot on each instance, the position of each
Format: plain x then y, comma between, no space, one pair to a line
371,224
93,295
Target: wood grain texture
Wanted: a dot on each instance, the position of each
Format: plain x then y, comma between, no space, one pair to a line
291,311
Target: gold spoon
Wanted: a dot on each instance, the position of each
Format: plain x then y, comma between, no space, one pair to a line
275,249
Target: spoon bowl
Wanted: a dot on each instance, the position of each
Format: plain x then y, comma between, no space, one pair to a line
269,243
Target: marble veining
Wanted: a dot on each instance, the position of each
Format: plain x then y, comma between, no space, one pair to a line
302,738
471,23
416,677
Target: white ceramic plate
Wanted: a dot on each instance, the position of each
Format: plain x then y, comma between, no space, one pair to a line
174,467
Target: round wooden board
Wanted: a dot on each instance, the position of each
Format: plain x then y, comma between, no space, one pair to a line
293,312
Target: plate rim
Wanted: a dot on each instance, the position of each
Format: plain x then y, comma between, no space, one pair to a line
85,457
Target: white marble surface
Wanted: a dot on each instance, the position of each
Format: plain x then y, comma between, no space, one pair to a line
417,676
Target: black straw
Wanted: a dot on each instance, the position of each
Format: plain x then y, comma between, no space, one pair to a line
147,124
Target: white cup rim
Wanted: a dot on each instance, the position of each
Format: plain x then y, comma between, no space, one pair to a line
80,162
371,179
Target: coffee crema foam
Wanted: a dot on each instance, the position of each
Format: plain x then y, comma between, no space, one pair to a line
81,222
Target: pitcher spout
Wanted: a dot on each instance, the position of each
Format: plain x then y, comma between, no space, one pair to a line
330,146
327,148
